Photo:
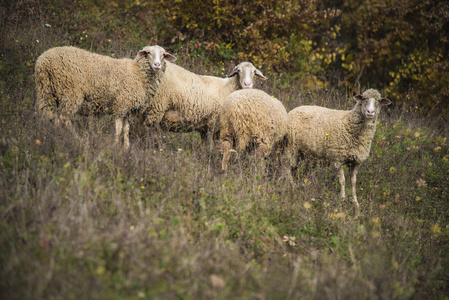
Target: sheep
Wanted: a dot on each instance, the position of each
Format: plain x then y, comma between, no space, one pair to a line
342,137
73,81
251,118
190,102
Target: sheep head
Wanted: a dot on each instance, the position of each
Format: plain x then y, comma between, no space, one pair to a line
246,72
155,55
370,103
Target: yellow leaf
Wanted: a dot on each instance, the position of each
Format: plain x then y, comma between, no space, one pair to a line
307,205
436,229
341,215
100,270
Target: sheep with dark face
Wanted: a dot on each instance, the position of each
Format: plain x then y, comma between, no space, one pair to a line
342,137
190,102
73,81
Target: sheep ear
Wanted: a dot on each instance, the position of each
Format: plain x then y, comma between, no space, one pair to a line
142,53
358,97
234,72
260,75
384,101
169,57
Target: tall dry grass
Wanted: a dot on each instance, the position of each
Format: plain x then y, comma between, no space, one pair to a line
84,219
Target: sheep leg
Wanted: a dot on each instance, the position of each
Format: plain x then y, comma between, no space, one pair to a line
126,132
215,138
262,151
118,129
353,170
226,149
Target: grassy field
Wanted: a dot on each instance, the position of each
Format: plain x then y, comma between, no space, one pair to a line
84,219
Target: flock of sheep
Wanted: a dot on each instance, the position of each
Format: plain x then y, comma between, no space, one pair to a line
73,81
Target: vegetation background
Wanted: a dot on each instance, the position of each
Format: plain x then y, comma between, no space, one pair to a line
91,221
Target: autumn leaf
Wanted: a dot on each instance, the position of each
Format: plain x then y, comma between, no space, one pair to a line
341,215
290,240
381,143
217,281
100,270
307,205
421,183
436,229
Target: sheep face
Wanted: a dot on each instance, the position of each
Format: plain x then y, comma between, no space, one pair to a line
370,103
155,55
246,72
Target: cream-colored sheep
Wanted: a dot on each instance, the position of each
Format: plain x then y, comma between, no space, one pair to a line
251,118
342,137
70,80
190,102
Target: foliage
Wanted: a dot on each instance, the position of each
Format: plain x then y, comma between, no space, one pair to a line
399,46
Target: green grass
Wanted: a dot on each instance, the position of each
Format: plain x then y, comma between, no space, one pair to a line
88,220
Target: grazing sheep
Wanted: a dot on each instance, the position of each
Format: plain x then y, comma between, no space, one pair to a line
188,102
251,118
342,137
70,80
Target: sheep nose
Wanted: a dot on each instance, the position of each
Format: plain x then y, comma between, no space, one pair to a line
247,84
157,64
370,111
